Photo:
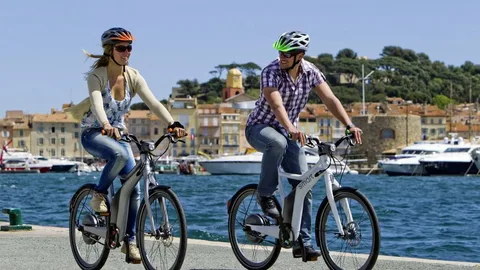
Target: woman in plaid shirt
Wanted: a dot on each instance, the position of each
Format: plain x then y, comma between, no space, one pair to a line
285,85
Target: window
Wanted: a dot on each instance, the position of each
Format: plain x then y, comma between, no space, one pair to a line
155,131
144,131
215,121
440,121
20,132
75,125
52,152
321,122
40,152
62,141
5,133
53,129
387,133
184,120
62,129
134,130
21,143
205,122
134,121
62,152
76,135
424,121
40,129
40,141
226,139
52,140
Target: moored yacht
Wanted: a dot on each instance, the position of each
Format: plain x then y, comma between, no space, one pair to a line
455,160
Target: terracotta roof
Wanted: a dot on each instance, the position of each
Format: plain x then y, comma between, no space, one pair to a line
226,110
57,117
6,123
138,114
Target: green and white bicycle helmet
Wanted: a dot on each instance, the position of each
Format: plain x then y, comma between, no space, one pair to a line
293,40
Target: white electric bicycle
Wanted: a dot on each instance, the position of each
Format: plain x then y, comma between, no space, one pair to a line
346,226
161,231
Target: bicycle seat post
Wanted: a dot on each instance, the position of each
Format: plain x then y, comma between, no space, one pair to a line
111,193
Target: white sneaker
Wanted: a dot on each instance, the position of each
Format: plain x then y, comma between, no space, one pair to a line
134,253
98,203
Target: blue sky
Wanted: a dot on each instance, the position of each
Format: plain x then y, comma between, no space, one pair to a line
42,41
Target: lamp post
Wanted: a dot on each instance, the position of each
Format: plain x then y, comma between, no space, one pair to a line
363,87
406,130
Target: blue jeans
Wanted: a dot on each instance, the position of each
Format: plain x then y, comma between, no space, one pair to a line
278,150
120,162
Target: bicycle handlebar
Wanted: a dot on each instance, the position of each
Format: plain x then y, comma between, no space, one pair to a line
146,146
327,148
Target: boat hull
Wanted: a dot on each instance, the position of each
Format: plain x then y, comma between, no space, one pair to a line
449,168
232,167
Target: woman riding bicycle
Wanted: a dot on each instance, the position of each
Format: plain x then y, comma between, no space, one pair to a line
285,85
112,85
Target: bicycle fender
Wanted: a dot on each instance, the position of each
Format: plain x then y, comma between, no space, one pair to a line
74,198
234,197
157,187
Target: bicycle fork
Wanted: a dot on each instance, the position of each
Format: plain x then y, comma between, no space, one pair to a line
152,182
331,185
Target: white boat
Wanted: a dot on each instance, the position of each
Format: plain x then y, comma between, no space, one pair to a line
252,163
407,163
58,165
456,160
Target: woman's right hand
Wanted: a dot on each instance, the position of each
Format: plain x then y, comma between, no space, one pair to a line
111,132
297,135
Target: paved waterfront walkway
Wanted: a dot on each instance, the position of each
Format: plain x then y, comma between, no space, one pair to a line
49,248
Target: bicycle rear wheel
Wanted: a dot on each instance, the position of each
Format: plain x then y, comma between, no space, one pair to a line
253,249
165,246
89,250
348,251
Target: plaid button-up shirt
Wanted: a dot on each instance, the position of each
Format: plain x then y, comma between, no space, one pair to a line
294,95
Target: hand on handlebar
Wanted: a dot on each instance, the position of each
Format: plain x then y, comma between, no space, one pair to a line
296,135
357,134
178,129
111,132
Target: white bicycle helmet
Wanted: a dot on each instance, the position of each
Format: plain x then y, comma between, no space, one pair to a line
293,40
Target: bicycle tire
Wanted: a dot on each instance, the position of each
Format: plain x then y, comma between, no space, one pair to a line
235,204
78,199
320,227
155,194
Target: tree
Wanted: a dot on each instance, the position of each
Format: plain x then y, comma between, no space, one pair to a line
441,101
189,87
346,53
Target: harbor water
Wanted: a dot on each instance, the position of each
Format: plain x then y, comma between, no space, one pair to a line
423,217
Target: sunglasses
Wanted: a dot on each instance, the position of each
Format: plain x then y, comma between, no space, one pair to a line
122,48
289,54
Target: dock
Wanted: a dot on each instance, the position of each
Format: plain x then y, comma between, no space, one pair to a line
49,248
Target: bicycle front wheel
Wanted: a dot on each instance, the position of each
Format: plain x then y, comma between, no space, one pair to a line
253,249
359,245
165,245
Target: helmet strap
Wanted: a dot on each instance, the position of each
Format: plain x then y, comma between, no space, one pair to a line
295,62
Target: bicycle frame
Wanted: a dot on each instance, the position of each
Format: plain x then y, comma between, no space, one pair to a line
119,204
308,180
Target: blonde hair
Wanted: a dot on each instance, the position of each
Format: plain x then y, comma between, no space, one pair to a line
102,61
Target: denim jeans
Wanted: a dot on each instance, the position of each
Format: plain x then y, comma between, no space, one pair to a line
120,162
278,150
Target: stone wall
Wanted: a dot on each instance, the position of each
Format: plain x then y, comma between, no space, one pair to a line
384,132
